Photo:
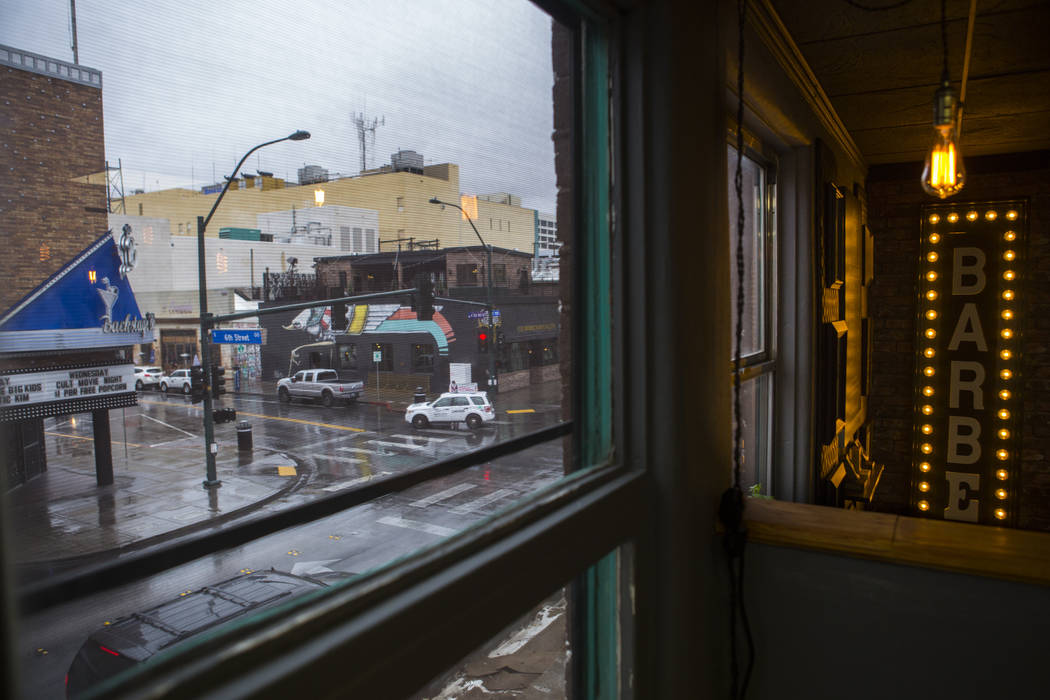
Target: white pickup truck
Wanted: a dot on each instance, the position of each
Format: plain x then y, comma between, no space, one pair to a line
323,384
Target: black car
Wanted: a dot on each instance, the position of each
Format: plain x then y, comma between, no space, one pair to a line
137,637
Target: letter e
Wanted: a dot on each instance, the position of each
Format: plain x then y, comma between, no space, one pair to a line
960,505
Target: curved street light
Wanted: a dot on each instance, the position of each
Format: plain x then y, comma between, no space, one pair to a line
488,279
211,479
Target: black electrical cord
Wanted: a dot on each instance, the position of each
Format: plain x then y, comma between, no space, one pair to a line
731,507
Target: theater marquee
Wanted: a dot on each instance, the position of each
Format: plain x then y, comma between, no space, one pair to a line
967,381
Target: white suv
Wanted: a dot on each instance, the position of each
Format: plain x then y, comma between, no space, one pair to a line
472,409
179,380
147,377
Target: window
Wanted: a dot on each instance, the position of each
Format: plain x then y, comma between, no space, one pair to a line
353,455
400,203
467,275
757,345
423,357
348,356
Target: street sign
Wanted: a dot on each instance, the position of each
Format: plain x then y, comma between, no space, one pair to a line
495,313
377,356
247,336
476,314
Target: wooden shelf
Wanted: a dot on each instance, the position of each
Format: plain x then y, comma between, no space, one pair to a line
981,550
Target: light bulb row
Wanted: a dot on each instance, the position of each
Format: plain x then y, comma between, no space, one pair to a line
973,215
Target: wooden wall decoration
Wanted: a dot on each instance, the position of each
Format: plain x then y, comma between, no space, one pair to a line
834,236
967,384
831,408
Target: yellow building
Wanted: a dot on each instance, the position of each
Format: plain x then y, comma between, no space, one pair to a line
400,198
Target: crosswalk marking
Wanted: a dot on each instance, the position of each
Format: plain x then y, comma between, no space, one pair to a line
350,482
348,460
415,525
479,503
416,437
441,495
383,443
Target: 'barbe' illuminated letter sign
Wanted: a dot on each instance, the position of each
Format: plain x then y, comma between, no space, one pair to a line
967,361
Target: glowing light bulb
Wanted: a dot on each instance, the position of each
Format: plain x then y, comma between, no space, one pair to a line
927,429
1006,333
1008,294
1009,255
927,410
990,215
1010,236
1004,434
931,275
931,256
1004,394
1000,514
1005,354
953,217
1011,215
924,486
931,295
924,466
971,215
928,371
1009,275
1000,494
926,448
929,352
931,314
924,505
1003,414
1002,474
934,218
943,174
927,391
935,238
931,333
1007,314
1006,374
1002,455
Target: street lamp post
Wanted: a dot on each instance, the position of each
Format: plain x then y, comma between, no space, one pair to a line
488,278
210,448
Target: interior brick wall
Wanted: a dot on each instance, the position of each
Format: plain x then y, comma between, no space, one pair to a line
51,133
894,201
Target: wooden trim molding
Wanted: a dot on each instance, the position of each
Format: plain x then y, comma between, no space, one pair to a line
980,550
775,37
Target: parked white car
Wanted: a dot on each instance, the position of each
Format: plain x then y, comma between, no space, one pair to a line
179,380
147,377
473,409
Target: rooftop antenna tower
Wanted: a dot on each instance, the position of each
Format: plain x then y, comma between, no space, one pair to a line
366,134
115,188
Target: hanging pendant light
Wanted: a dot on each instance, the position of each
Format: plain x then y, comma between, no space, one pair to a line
943,173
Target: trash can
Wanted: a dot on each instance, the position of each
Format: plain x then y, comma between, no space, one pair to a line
244,436
419,396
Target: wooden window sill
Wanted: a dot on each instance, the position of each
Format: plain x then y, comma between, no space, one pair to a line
1015,555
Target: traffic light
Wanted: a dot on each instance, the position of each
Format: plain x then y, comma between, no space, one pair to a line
424,298
218,381
197,383
483,340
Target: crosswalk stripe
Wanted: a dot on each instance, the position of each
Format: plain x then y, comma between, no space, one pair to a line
384,443
337,458
442,495
479,503
421,527
416,437
359,480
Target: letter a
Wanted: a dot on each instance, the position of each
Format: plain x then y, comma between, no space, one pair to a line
968,329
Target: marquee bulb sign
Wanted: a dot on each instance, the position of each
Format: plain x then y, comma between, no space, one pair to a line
967,370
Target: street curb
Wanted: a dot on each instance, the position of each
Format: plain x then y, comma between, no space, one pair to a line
30,569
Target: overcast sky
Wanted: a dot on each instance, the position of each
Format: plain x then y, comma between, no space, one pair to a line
189,86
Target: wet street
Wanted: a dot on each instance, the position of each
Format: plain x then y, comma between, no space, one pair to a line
308,451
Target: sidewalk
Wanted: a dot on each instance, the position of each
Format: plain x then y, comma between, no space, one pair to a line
62,518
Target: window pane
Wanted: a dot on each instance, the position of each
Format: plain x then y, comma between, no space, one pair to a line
755,264
409,109
756,433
